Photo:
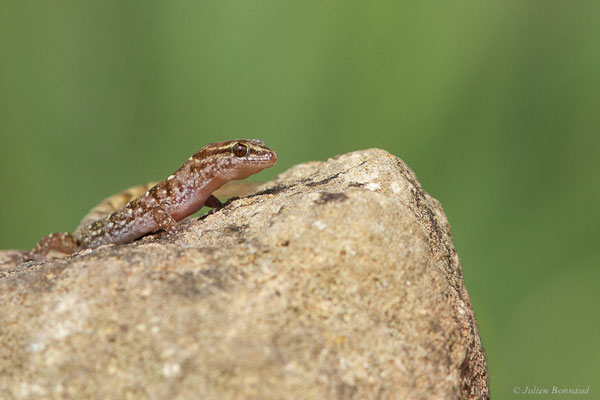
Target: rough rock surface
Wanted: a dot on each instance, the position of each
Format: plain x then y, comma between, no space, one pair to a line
337,280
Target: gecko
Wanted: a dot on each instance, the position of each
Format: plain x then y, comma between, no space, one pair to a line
161,205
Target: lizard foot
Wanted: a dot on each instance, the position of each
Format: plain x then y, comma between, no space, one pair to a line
61,242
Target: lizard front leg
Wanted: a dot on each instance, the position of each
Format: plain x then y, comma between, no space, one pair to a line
214,203
166,222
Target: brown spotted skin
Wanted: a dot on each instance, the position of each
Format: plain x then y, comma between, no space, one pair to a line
162,205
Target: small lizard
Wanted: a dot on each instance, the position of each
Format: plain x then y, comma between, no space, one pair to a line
162,204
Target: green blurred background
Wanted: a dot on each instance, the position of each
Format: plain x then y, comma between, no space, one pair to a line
494,105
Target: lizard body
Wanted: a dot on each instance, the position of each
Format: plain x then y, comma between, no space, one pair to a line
161,205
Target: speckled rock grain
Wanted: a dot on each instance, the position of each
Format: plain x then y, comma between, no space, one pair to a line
338,280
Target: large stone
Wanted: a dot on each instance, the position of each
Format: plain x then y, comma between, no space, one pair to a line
337,280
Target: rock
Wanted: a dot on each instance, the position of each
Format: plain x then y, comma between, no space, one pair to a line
337,280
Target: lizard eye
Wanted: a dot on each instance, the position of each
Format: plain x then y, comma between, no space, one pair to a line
240,150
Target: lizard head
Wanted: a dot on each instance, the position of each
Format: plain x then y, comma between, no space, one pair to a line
238,159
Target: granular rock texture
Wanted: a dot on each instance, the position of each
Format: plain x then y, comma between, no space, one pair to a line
338,280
